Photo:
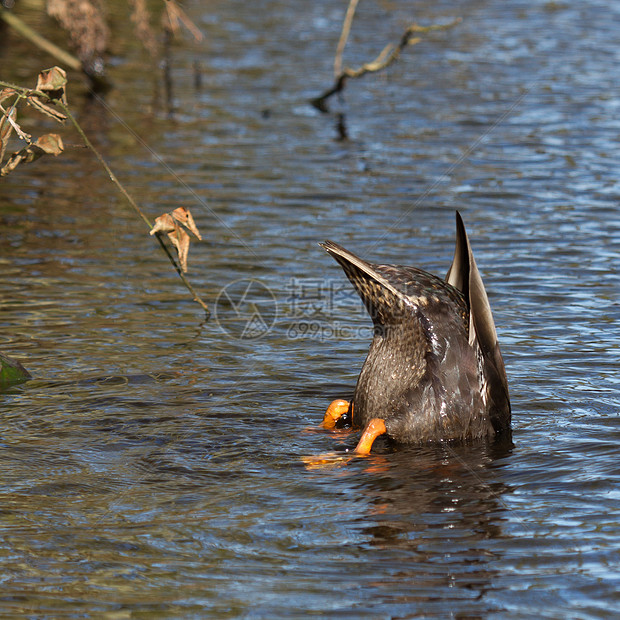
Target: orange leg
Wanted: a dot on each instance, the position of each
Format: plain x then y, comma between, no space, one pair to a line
334,412
373,429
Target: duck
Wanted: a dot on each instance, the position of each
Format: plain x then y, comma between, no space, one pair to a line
434,371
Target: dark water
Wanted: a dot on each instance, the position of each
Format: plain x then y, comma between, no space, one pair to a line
153,468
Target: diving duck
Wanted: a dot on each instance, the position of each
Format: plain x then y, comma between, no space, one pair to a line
434,371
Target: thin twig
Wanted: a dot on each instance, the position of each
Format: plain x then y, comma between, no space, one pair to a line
133,204
344,36
41,42
388,55
102,161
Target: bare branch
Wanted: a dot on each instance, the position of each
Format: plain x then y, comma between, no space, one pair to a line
42,43
388,55
344,36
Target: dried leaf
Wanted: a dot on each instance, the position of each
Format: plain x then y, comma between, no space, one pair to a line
52,82
163,224
49,144
18,130
180,239
84,22
6,127
6,93
183,215
46,108
166,224
11,164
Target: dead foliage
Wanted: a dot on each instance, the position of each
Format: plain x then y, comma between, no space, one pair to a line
141,18
47,97
85,23
51,85
168,224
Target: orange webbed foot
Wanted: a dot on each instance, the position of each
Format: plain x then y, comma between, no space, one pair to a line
334,412
373,429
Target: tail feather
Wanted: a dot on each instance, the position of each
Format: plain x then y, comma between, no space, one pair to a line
383,301
464,275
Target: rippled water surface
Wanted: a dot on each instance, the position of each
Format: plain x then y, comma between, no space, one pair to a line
153,466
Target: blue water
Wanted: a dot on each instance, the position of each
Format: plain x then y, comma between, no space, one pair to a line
154,466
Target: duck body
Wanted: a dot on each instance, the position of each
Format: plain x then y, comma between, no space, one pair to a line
434,370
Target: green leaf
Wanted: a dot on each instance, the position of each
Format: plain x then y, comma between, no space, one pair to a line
11,372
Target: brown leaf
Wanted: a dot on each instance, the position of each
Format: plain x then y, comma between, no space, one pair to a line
6,93
180,240
166,224
11,120
23,155
163,224
52,82
46,108
84,22
183,215
50,144
5,130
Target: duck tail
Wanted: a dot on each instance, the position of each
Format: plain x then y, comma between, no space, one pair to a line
464,275
382,300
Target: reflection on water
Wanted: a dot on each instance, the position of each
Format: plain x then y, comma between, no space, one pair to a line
153,465
440,513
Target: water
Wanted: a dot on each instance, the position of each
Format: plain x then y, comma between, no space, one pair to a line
153,467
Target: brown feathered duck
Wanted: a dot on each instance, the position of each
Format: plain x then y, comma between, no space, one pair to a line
434,371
